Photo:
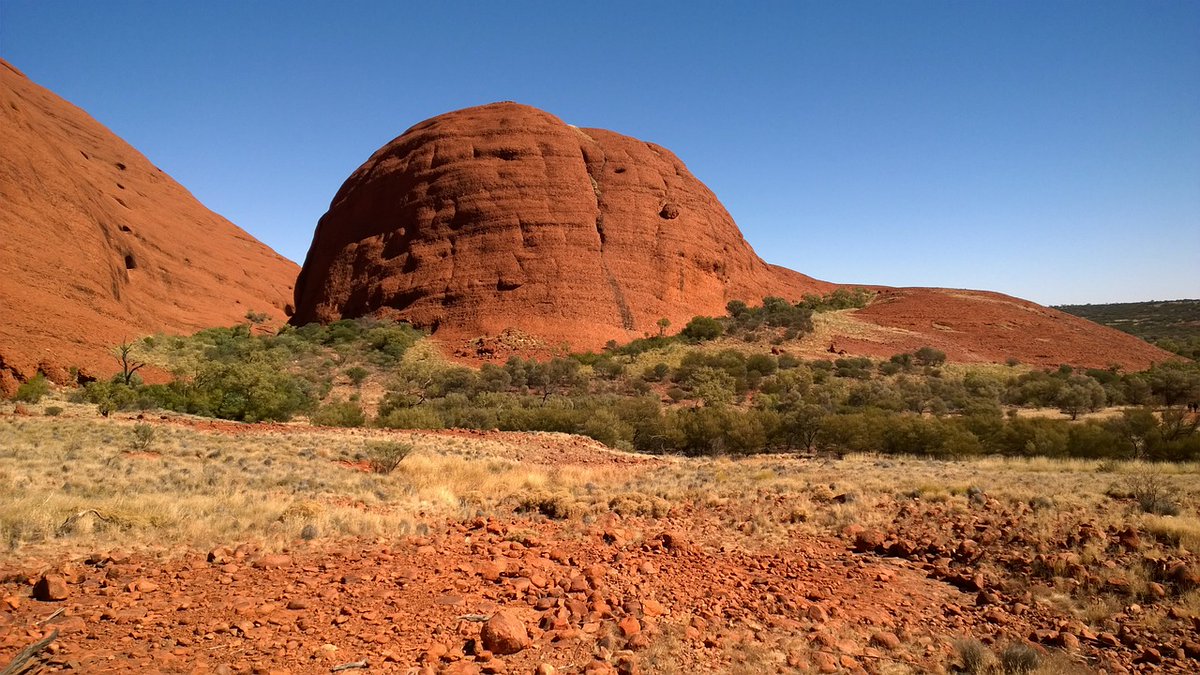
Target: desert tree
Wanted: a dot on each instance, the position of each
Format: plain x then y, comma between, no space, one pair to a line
129,364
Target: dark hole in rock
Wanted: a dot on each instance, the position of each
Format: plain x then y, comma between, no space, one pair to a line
620,170
130,263
125,228
121,202
669,212
120,166
120,186
85,155
288,309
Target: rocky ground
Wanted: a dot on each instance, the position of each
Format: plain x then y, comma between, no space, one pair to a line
736,574
494,597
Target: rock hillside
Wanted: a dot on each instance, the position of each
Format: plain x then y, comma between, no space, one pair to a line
100,246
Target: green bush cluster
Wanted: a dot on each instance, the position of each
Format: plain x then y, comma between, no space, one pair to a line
339,414
251,391
842,298
732,400
32,390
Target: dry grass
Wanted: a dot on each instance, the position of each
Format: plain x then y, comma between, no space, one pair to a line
201,488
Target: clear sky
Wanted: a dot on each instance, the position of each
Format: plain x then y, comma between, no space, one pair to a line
1050,149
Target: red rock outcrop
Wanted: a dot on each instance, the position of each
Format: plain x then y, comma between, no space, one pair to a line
503,216
99,245
502,220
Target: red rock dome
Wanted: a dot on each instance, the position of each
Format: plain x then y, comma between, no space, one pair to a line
503,216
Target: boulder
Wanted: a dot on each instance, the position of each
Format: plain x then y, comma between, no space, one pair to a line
505,633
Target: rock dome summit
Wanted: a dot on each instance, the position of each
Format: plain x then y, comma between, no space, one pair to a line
503,217
101,246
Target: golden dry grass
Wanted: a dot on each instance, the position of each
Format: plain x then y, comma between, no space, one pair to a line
201,487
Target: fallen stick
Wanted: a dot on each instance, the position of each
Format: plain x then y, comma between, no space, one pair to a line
70,521
58,611
22,659
346,666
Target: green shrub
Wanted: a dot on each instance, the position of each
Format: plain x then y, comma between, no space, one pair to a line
854,367
386,456
605,426
339,414
928,356
32,390
110,397
702,328
251,391
52,411
143,437
357,375
421,417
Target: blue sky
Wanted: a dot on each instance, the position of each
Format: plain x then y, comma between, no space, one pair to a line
1050,150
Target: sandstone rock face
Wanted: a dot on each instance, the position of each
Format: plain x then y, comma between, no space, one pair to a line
504,223
503,216
99,245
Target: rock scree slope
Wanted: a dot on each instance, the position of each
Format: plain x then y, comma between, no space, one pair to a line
99,245
504,217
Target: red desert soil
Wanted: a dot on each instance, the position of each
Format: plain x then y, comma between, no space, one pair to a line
624,595
691,591
101,246
421,601
502,220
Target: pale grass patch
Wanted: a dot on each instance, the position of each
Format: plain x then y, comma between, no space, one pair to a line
1181,531
201,488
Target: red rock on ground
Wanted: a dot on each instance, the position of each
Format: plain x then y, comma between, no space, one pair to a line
505,633
101,246
51,588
